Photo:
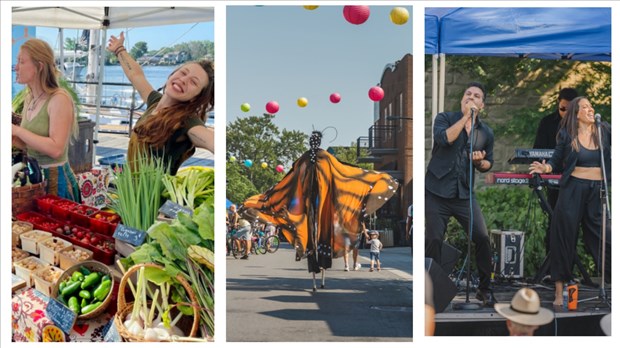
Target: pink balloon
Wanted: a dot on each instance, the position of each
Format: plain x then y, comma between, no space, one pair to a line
334,98
376,93
356,14
279,168
272,107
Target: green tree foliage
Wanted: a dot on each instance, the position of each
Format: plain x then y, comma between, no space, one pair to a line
70,44
139,49
196,50
348,155
238,186
256,138
509,77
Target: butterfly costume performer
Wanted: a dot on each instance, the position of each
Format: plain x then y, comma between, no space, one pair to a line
318,201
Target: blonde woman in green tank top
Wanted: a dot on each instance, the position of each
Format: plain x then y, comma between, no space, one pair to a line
48,118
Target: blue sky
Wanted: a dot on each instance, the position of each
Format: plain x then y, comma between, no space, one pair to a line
283,53
155,37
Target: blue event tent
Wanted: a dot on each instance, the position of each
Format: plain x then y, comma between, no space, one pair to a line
545,33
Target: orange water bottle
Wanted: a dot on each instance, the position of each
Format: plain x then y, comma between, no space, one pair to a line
573,296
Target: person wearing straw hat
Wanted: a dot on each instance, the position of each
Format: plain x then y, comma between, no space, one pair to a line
523,314
606,324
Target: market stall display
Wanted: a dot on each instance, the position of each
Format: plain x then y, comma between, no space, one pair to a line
151,320
67,259
86,287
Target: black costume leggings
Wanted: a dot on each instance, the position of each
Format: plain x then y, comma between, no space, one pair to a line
579,203
438,211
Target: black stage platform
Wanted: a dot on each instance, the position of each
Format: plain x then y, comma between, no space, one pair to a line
585,321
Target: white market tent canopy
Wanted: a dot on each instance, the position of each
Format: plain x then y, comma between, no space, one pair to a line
109,17
544,33
103,18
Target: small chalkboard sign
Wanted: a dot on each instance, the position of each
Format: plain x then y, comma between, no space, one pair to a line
111,333
61,315
130,235
171,209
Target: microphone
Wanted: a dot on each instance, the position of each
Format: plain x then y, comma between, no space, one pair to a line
597,119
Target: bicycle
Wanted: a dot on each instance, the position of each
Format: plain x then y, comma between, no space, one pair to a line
272,243
256,248
258,244
237,249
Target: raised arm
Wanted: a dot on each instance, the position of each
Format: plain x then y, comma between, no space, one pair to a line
202,136
131,68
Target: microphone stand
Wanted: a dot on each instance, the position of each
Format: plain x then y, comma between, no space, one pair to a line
469,305
602,295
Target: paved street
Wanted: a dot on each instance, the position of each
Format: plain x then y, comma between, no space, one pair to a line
269,298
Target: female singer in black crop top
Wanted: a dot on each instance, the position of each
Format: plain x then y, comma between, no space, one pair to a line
577,156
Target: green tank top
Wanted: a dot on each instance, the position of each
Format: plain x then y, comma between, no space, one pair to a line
40,125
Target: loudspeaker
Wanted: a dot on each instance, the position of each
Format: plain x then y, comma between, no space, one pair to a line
449,256
443,288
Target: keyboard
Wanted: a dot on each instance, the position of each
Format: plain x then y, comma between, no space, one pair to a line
527,156
505,178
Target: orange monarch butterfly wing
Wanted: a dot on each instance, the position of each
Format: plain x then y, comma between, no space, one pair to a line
318,194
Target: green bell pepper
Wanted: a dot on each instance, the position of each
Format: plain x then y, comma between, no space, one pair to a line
70,288
85,294
91,307
77,275
74,305
90,280
102,290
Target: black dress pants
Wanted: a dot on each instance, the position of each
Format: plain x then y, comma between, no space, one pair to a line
438,212
579,204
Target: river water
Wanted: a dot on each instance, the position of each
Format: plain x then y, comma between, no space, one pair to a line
116,95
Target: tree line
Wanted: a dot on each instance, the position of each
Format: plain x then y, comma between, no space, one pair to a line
195,50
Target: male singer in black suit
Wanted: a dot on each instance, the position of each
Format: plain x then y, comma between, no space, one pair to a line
447,181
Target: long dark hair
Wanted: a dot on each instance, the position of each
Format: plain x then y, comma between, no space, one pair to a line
570,124
156,130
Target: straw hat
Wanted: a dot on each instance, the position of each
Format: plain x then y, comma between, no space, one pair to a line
525,309
606,324
243,223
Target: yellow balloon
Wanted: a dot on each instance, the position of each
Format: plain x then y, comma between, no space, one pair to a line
264,165
399,15
302,102
310,7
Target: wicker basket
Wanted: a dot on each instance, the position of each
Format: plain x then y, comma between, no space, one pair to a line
24,196
125,308
94,266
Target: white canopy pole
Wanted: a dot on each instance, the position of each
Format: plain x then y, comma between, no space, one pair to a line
61,52
99,90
